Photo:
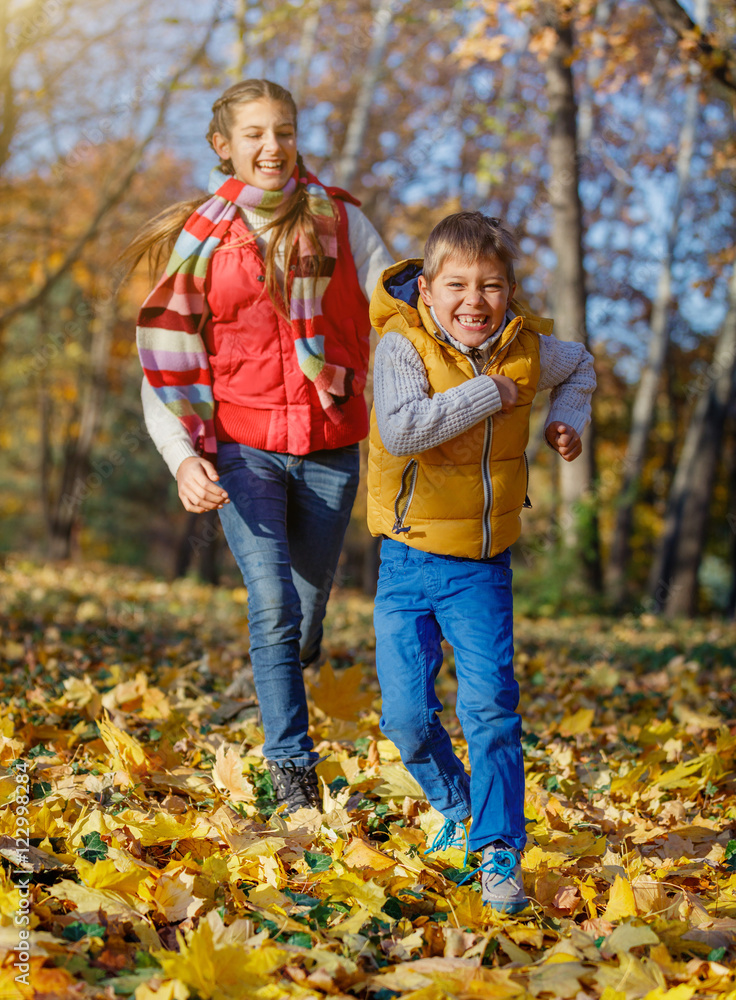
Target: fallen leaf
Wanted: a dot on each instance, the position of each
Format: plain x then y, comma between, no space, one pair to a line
228,774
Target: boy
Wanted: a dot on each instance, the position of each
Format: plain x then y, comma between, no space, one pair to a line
456,370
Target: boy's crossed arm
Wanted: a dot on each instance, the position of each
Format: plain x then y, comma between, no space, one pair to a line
410,420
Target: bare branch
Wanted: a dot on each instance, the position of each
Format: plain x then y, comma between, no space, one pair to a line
114,192
718,63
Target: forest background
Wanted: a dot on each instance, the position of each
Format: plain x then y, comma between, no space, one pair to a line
603,132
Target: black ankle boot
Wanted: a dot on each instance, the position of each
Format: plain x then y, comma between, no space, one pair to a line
295,785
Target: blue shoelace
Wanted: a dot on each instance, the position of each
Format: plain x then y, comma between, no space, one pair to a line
502,863
451,834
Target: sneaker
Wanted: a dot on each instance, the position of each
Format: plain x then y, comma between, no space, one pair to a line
450,834
295,785
501,883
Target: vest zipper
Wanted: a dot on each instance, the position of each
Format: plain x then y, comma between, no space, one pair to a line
490,361
410,472
486,466
487,488
485,469
527,501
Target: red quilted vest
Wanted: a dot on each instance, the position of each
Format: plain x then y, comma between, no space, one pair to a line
262,397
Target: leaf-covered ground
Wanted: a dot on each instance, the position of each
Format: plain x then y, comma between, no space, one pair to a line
158,869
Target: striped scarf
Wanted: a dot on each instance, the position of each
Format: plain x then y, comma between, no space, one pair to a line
170,344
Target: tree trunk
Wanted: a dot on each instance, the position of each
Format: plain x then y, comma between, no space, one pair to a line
674,581
569,296
593,70
731,515
77,482
248,48
642,416
347,167
300,74
202,537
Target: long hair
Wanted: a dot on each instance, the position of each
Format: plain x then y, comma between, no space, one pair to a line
294,219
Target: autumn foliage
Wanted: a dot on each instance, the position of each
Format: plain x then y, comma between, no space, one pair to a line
159,868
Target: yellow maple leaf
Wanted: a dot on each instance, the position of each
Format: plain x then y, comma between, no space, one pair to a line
228,774
47,821
215,969
172,989
621,902
396,782
80,691
466,908
537,856
681,992
89,901
577,723
339,695
589,891
165,827
106,874
361,855
126,752
174,898
367,894
352,923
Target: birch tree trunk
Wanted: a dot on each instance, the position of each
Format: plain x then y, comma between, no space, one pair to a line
601,17
247,45
580,519
642,416
674,580
347,167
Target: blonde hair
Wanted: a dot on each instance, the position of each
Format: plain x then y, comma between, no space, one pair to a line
294,219
471,236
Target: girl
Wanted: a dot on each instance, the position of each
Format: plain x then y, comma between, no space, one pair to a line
254,346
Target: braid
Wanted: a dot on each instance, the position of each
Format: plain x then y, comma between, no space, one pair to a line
294,221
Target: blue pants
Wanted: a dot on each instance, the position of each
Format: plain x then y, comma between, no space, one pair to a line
285,525
421,598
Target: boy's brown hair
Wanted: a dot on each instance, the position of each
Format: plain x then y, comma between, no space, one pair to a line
470,236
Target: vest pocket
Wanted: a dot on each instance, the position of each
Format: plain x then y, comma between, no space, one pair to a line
405,496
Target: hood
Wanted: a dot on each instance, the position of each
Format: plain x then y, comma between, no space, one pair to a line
395,303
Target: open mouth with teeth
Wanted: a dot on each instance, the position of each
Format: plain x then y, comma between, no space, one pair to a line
474,323
270,166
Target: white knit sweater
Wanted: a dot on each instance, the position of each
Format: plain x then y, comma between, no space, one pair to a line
371,258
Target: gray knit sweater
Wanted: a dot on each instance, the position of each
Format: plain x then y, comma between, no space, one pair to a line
410,421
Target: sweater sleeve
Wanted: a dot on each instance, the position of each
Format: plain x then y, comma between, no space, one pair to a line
409,419
369,252
166,430
567,369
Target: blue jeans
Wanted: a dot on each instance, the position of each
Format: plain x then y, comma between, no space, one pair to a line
421,598
285,524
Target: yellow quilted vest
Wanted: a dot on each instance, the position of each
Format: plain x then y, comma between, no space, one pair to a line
464,497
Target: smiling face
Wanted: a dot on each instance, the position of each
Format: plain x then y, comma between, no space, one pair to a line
469,300
261,144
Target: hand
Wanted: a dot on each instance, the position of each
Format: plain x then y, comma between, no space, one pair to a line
195,478
508,392
565,440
